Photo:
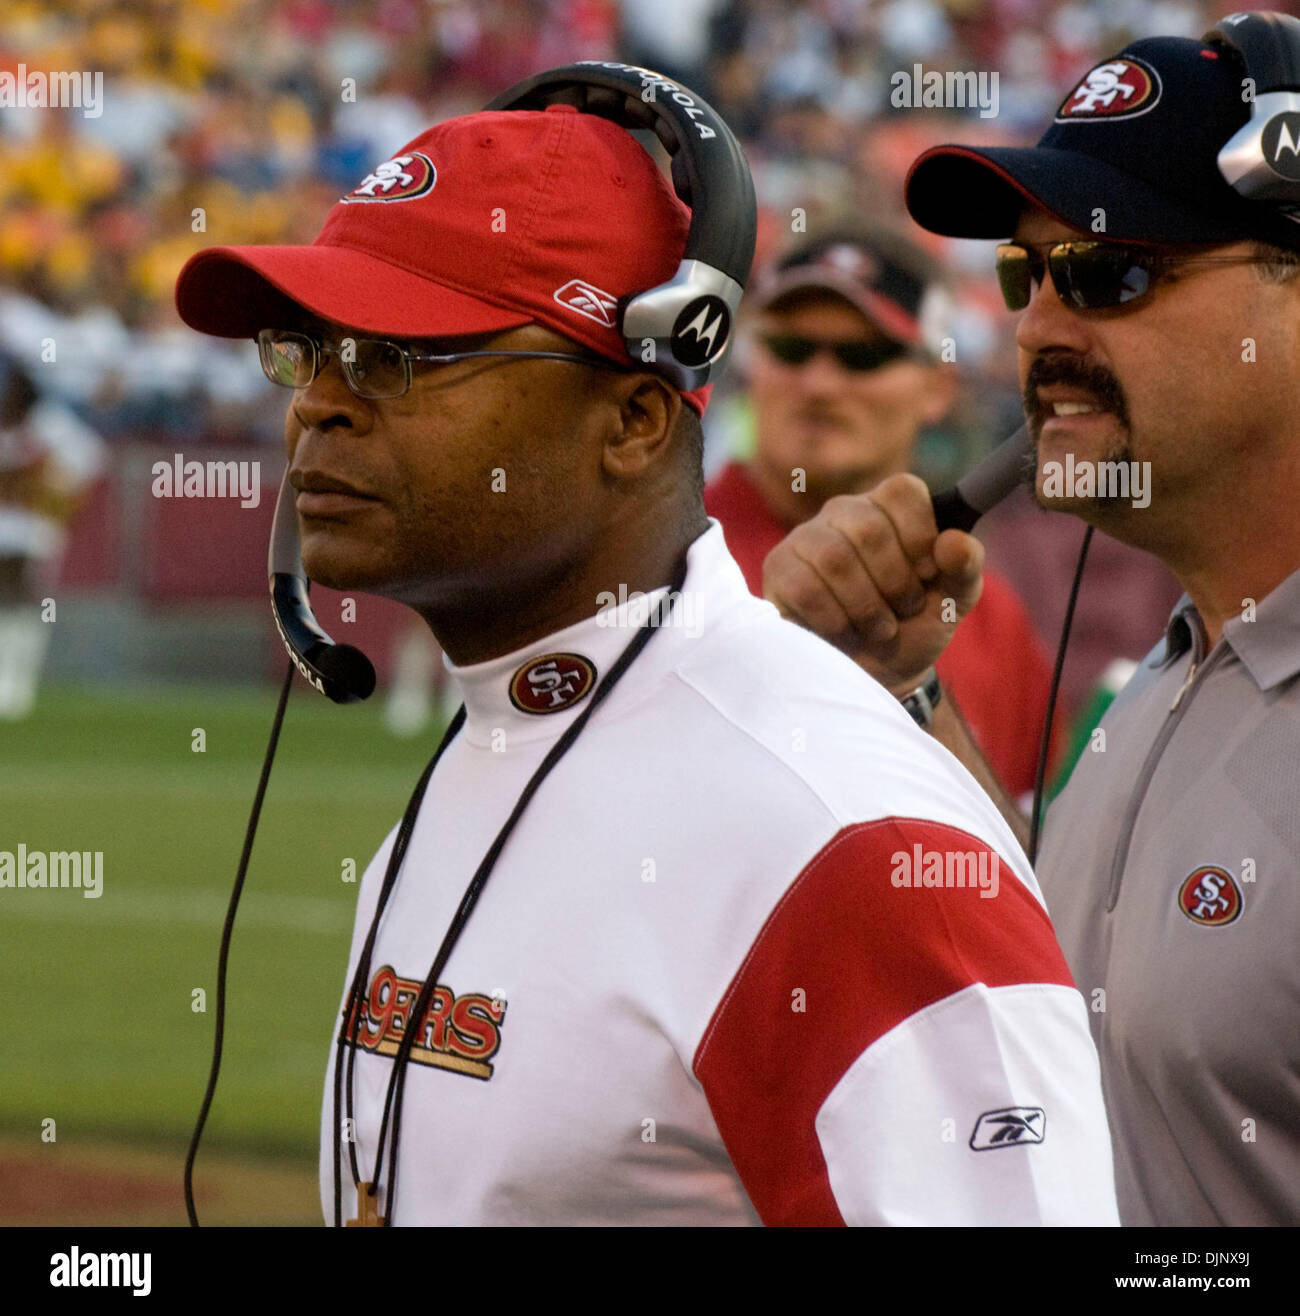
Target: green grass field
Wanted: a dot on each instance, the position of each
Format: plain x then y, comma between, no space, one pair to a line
99,1032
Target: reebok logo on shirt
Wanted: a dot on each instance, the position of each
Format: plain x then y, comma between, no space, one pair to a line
1014,1126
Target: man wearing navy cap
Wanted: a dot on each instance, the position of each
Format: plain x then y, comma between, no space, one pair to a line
1159,338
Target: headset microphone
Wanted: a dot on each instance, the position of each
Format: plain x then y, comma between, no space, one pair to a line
981,489
959,508
343,673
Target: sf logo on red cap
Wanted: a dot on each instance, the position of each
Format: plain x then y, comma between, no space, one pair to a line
1117,89
552,682
1210,896
402,178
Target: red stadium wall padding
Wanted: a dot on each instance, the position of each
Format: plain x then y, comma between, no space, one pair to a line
94,553
205,548
190,551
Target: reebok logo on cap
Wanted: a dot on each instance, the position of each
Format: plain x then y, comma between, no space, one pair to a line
585,298
402,178
1118,89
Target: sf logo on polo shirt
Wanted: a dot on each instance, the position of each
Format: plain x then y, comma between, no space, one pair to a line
1210,896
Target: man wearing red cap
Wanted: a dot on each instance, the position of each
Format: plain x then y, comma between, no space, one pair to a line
843,377
722,944
1158,341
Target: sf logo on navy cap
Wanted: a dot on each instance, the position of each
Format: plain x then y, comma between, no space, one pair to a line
1116,89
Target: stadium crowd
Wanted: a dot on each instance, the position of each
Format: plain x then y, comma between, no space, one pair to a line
240,121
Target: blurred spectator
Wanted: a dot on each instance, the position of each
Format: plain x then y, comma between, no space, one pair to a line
218,117
48,460
845,374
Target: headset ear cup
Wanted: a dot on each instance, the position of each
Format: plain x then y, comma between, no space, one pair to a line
1260,161
1268,45
682,327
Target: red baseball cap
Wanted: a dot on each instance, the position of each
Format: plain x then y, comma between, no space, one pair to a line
480,224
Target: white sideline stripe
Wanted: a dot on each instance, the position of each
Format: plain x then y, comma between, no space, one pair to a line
146,905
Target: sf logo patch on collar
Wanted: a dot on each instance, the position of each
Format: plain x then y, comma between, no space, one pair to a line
1210,896
402,178
1118,89
552,683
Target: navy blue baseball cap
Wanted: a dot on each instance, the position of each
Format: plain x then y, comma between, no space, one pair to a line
1137,137
879,272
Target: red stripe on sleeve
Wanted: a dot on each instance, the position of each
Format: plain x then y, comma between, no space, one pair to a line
866,953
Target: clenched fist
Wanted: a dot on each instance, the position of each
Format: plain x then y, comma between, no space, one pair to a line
872,574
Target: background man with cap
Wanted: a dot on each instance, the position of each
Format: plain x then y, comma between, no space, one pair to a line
843,378
672,1003
1168,336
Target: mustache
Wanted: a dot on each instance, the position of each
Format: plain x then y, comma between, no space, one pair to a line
1078,373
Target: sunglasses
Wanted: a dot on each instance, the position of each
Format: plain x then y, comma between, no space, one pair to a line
1091,276
372,367
856,354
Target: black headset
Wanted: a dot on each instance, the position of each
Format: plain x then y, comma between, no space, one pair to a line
690,319
1262,159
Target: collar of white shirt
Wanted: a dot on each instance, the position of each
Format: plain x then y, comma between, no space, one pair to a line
534,693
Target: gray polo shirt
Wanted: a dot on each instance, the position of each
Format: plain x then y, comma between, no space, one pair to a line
1171,867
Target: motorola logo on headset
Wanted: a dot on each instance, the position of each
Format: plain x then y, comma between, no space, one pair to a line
701,331
1281,144
1261,160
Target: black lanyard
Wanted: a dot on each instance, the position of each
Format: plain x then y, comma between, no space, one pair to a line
415,1020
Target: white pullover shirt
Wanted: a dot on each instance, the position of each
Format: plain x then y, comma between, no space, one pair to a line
758,951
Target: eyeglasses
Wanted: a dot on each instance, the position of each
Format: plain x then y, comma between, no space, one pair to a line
372,367
1092,275
856,354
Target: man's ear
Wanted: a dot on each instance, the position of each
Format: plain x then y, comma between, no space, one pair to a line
648,407
940,392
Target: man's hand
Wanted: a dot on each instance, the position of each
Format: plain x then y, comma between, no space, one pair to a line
871,574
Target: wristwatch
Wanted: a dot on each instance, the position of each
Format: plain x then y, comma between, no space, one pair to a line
922,701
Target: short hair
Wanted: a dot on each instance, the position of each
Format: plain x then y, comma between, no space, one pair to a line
1279,264
689,433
